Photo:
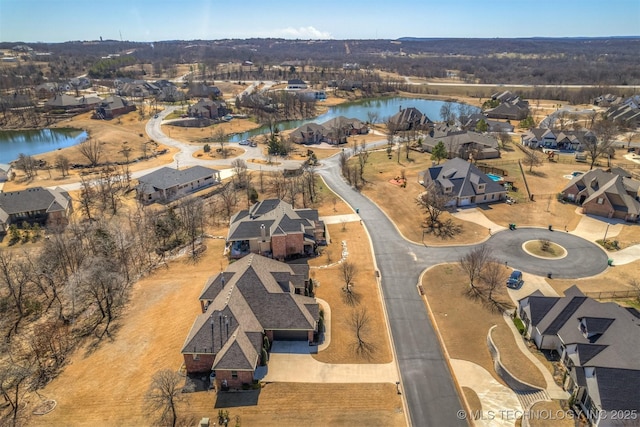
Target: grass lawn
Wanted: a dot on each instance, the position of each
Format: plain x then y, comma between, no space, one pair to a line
464,323
399,203
365,286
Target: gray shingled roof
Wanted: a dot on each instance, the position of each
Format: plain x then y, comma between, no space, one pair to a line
167,177
277,216
33,199
253,301
461,175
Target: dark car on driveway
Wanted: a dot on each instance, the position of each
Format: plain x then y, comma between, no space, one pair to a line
515,280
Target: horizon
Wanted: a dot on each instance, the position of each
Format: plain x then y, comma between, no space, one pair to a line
147,21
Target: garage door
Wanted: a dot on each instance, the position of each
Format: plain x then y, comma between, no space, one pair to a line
290,335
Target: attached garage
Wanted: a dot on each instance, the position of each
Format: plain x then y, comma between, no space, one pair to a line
290,335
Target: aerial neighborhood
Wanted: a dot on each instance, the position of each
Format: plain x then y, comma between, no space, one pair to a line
322,232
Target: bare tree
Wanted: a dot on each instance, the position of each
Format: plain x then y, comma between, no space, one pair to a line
14,280
62,164
602,144
473,263
164,396
531,158
219,135
493,275
91,149
27,164
348,270
503,138
14,384
434,201
191,210
229,198
360,324
372,117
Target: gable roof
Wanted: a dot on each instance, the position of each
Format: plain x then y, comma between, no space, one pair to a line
461,176
253,297
33,199
167,177
277,216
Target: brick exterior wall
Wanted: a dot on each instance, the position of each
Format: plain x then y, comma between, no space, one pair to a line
279,247
244,377
295,244
203,364
605,209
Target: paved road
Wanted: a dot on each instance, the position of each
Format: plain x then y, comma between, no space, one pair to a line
426,380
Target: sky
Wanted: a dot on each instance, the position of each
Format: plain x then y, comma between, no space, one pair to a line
156,20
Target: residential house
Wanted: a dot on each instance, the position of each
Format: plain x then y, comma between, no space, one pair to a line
598,347
626,112
274,228
201,90
556,139
463,144
296,84
208,109
463,182
411,119
494,126
50,208
62,102
510,107
311,94
607,100
46,90
605,194
5,172
334,131
255,301
166,184
113,106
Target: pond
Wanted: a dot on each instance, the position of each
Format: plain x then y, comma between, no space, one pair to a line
382,107
32,142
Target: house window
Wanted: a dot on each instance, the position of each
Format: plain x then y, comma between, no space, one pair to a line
600,200
196,357
234,374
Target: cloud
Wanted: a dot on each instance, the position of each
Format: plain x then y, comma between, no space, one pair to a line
301,33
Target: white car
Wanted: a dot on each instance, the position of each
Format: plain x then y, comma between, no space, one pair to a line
244,142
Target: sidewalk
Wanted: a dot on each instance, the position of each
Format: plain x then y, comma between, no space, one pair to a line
339,219
495,398
554,391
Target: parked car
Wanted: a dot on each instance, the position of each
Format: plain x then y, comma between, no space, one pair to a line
515,280
244,142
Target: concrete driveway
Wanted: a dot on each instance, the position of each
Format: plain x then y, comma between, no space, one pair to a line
291,361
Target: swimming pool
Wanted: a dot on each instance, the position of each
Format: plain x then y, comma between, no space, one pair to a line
494,177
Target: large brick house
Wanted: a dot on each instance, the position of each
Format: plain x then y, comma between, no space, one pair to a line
47,207
274,228
598,346
605,194
255,301
334,131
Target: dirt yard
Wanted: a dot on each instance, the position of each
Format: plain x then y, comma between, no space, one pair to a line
399,203
366,289
464,323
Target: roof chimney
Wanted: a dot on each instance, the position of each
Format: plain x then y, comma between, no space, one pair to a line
263,231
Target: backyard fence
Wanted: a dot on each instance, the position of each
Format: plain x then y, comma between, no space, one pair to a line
614,294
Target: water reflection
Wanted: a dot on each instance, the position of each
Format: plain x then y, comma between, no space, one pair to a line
383,108
37,141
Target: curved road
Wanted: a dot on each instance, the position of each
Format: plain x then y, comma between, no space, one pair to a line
426,379
427,382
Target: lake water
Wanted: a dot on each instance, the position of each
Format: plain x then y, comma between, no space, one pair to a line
32,142
383,107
